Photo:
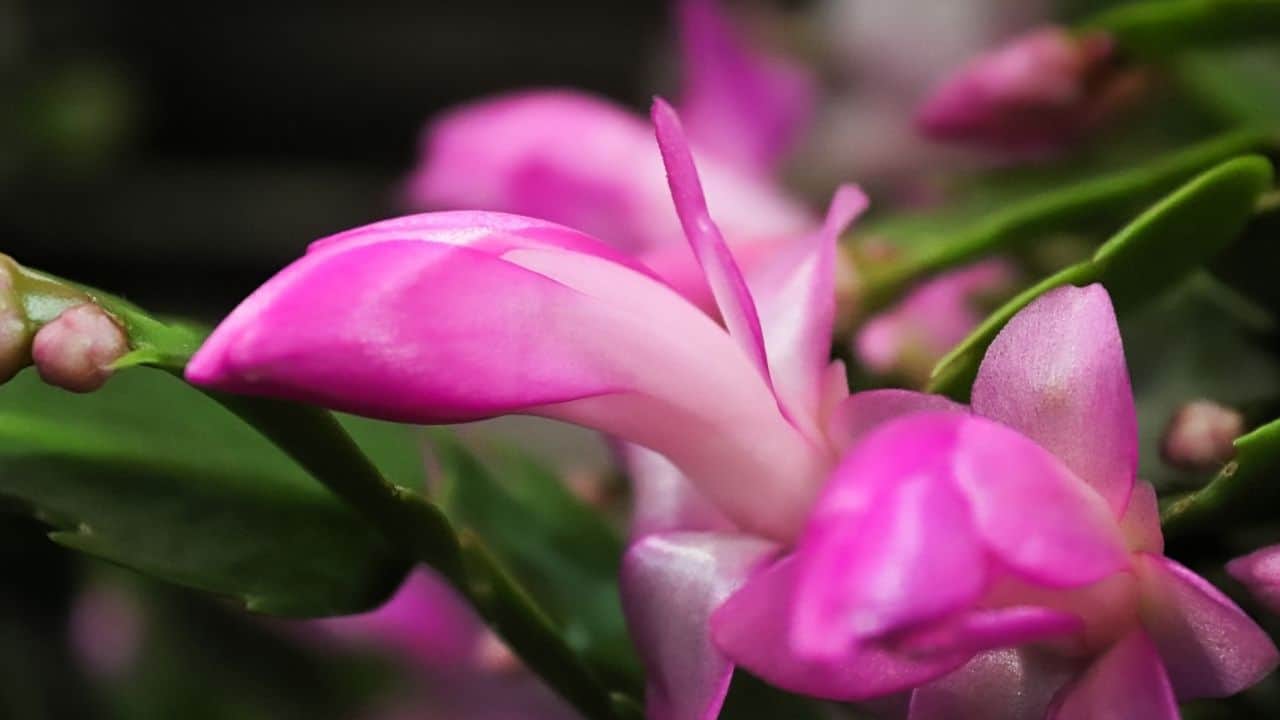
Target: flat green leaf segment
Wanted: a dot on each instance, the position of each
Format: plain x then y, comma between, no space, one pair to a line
1244,489
1160,247
936,242
150,474
1157,29
560,549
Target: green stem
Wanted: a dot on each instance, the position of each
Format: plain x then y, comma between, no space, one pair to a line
314,439
1109,197
1158,29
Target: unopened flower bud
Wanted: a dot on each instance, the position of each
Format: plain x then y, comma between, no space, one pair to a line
15,335
76,351
1200,435
1033,94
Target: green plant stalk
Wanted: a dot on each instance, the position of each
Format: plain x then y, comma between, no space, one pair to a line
1159,29
1086,203
313,438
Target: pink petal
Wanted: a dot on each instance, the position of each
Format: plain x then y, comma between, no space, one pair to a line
1006,684
671,583
582,161
663,499
980,630
1210,647
752,628
489,322
1056,372
865,411
733,298
738,103
1127,682
1040,519
795,295
907,529
1141,520
1260,572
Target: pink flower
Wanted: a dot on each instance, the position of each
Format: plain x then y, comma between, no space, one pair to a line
588,163
1010,544
458,316
1038,92
910,338
1260,572
461,668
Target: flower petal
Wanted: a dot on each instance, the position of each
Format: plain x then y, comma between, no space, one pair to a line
1210,647
865,411
738,103
752,628
663,499
416,330
733,297
1006,684
1128,681
1056,372
590,164
795,295
671,583
1260,572
1141,520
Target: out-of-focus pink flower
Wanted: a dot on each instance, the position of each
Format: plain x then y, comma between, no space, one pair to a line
910,338
1260,572
1010,543
1201,435
460,316
1033,95
107,630
587,163
458,667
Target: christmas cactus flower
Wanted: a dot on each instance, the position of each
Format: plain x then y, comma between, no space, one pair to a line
1010,544
1035,94
588,163
458,316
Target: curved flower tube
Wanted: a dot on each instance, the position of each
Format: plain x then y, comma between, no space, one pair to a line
1013,540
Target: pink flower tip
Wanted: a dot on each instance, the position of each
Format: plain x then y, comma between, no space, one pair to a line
1034,94
1259,571
76,351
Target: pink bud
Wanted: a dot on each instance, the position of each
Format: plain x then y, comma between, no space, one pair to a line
1032,95
106,631
1201,435
75,351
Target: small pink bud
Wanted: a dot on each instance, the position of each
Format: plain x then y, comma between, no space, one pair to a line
15,335
75,351
106,631
1200,435
1032,95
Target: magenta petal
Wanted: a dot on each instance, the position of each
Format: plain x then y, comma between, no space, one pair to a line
891,544
738,103
1210,647
1128,681
1260,572
729,288
865,411
1056,372
663,499
1141,520
980,630
1041,520
480,324
753,626
671,583
795,295
1006,684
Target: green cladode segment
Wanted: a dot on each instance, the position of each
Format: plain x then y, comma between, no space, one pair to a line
1155,30
1245,490
936,242
1179,233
